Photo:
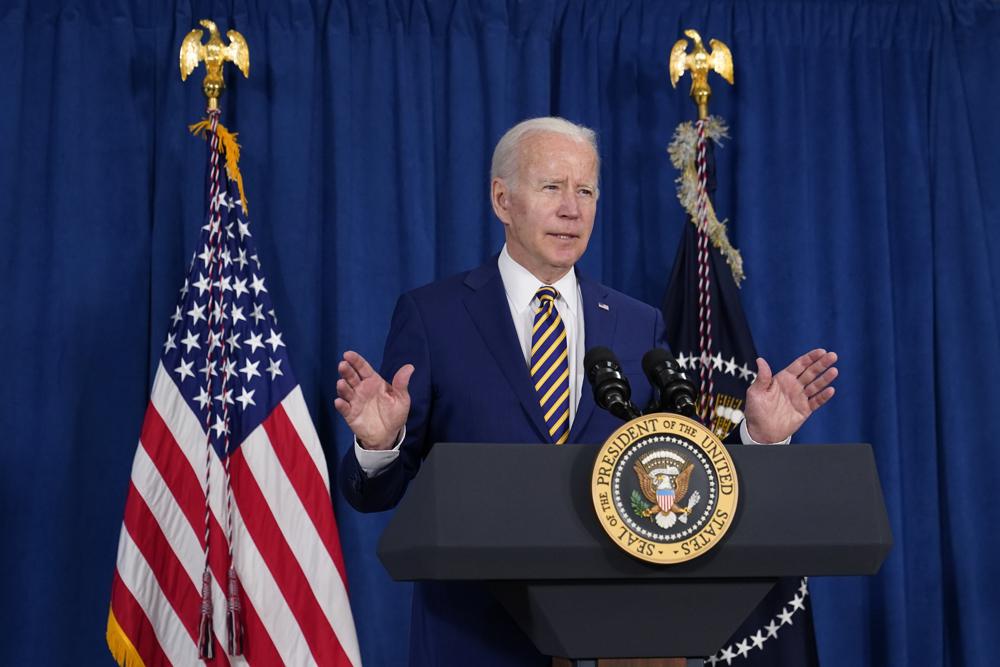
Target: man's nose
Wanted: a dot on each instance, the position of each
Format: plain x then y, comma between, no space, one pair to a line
570,205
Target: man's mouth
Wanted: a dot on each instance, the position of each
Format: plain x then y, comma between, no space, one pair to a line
563,237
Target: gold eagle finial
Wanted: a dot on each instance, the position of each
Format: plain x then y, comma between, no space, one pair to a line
215,54
700,62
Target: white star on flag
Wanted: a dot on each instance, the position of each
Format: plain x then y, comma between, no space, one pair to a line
274,340
250,369
184,370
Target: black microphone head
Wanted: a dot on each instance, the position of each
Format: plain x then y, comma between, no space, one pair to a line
661,368
654,358
677,393
611,388
597,357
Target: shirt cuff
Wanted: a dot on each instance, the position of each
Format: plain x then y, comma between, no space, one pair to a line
375,461
747,440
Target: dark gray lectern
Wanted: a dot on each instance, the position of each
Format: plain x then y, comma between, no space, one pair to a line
533,537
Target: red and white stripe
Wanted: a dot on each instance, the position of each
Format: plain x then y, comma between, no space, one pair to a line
286,549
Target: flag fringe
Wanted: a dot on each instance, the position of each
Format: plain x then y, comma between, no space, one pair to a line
121,647
228,147
683,151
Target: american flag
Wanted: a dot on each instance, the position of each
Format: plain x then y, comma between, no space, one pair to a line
226,414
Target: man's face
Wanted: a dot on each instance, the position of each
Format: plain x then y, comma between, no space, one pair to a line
548,211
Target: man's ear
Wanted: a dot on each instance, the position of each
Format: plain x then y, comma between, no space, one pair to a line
500,198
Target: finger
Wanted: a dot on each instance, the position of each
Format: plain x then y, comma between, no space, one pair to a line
763,373
401,380
343,407
821,383
359,364
819,399
348,373
817,368
345,390
800,364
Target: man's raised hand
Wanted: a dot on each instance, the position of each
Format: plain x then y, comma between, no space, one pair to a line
777,405
374,410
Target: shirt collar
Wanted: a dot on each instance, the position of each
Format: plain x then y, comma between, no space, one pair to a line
521,285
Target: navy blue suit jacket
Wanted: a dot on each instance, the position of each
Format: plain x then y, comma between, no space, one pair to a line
471,384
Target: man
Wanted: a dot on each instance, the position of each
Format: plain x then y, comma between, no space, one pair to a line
496,354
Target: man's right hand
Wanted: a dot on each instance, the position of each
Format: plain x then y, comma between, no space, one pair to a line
374,409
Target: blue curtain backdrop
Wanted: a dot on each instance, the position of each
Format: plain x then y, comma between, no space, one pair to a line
861,185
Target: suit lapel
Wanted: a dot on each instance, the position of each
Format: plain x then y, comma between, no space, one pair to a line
487,305
599,319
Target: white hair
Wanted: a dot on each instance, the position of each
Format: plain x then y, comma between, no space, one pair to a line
507,152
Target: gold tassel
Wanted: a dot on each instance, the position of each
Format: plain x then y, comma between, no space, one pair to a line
683,153
716,230
228,147
122,648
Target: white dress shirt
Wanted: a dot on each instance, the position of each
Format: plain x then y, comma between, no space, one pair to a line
521,287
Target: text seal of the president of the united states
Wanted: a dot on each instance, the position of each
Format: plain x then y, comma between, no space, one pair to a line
664,488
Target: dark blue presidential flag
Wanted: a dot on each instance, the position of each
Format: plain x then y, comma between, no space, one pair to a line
708,333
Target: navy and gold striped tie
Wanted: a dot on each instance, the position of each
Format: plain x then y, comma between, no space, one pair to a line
549,364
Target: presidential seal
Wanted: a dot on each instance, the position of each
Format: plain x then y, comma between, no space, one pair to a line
664,488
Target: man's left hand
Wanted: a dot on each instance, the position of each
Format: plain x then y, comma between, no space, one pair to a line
777,405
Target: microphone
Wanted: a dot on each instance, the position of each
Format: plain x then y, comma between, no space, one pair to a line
677,393
611,388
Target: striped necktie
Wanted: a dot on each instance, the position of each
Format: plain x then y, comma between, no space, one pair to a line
549,364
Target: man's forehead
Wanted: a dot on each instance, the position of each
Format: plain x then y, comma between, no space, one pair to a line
550,154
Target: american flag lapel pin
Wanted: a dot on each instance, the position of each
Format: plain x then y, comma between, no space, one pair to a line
603,306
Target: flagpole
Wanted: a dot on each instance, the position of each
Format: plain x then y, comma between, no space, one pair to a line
215,54
700,62
227,466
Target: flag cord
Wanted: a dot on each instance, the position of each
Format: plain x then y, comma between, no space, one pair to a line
234,626
206,638
216,317
706,389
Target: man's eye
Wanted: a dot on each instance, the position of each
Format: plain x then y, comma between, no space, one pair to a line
550,187
585,192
